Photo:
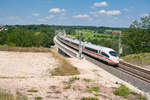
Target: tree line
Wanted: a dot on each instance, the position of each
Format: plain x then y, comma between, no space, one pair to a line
135,39
25,36
38,35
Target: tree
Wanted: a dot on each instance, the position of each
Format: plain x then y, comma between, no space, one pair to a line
137,37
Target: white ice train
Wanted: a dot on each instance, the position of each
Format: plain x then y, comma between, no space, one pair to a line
103,53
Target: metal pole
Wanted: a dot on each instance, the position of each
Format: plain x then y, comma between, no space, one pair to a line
80,46
120,46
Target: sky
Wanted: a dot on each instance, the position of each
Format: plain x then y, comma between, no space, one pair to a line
111,13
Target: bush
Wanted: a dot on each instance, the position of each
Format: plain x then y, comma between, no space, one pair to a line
94,88
38,98
32,90
89,98
73,79
122,91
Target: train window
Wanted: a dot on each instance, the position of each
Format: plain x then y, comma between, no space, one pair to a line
66,40
104,54
99,52
113,53
93,50
75,44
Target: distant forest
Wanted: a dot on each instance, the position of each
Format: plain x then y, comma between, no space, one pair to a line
135,39
38,35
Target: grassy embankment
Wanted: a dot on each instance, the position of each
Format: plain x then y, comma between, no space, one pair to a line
9,96
20,49
64,67
125,92
142,59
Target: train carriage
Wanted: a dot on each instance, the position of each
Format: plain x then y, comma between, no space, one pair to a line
103,53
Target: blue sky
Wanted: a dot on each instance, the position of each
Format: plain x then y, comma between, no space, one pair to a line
113,13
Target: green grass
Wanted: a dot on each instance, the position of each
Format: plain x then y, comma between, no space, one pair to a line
38,98
72,79
89,98
103,39
90,34
8,96
67,87
32,90
87,80
93,88
123,91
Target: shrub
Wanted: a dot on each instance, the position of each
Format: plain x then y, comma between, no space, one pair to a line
67,87
38,98
32,90
89,98
8,96
87,80
73,79
94,88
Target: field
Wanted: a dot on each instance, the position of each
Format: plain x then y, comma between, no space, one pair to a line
40,76
107,39
142,59
90,34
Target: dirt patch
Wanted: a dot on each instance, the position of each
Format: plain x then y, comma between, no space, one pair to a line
28,73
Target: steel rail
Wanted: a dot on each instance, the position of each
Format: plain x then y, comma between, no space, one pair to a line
132,70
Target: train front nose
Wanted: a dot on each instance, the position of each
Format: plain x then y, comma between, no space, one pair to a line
116,60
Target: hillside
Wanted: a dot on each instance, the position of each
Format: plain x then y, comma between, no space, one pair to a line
142,59
30,75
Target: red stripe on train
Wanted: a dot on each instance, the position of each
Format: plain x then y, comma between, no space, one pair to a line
94,53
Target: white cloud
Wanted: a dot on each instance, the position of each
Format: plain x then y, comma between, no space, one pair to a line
41,20
81,16
125,9
35,14
108,12
113,12
49,17
144,15
102,12
56,10
100,4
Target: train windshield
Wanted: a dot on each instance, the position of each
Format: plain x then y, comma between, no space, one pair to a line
113,53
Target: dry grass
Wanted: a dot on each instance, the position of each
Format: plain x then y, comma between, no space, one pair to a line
64,67
93,88
87,80
32,90
142,59
21,49
38,98
8,96
89,98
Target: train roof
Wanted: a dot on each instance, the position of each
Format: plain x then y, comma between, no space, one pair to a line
88,44
97,47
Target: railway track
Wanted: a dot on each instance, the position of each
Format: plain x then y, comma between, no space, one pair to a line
137,72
